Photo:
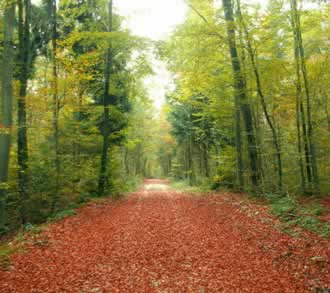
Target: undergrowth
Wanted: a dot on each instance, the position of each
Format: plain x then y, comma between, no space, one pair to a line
294,214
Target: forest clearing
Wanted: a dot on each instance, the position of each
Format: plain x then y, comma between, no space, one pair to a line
225,101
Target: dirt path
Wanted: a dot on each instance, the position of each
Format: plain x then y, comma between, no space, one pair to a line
159,240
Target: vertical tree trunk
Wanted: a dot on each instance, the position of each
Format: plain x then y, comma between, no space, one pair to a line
6,106
22,144
238,144
238,128
106,115
206,160
56,106
269,119
300,116
310,133
191,171
239,84
76,143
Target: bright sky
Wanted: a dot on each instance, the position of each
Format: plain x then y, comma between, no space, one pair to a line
154,19
151,18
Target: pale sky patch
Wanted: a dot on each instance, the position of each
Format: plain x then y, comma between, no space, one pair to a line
154,19
151,18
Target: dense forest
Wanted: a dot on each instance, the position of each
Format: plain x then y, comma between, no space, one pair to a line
75,114
249,110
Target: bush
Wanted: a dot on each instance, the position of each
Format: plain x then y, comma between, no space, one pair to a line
63,214
284,208
293,214
326,230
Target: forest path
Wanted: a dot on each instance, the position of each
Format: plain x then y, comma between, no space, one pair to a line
160,240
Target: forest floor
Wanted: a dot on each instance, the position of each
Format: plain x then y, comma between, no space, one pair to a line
162,240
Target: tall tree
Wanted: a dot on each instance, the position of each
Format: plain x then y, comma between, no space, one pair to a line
6,103
311,160
269,119
56,105
24,8
240,91
106,111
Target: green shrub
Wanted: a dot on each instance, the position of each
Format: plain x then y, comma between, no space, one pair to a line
307,222
316,209
63,214
326,230
284,208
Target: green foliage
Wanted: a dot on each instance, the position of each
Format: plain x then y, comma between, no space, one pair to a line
294,214
5,252
316,209
62,215
201,107
326,230
82,39
284,208
308,223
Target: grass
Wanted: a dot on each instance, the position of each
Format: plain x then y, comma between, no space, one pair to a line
184,186
293,214
62,215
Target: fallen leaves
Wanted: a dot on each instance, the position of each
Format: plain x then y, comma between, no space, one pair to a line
168,242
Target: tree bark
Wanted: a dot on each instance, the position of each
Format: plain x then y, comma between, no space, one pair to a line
56,106
260,92
22,139
300,121
106,114
238,145
310,132
240,93
6,106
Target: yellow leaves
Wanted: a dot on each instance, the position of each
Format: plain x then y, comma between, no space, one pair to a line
5,130
100,39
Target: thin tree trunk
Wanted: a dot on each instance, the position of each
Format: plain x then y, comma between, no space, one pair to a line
76,143
238,128
191,174
310,152
206,160
106,115
239,84
300,115
262,99
238,145
22,144
56,106
6,106
310,131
